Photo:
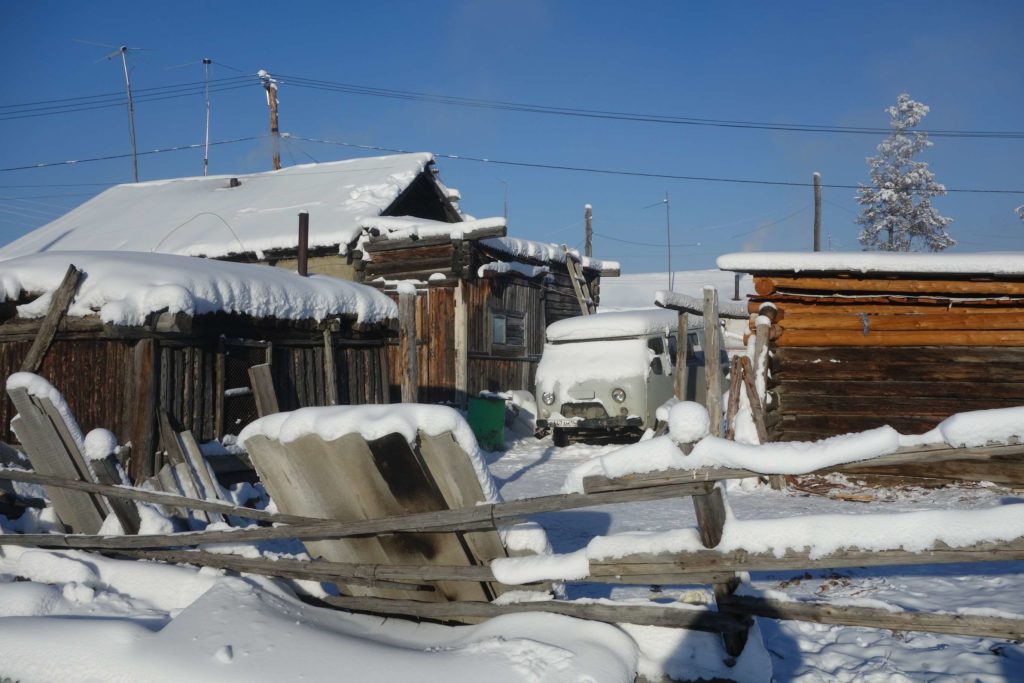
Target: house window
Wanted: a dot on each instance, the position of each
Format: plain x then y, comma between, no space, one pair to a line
508,332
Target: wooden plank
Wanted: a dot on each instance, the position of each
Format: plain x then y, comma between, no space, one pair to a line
902,338
696,620
920,355
734,397
169,482
756,407
143,388
315,478
875,617
682,355
769,285
78,511
108,472
157,496
712,360
407,306
85,472
457,482
61,299
836,306
461,344
189,487
330,370
574,279
207,488
315,570
996,320
795,388
262,381
475,518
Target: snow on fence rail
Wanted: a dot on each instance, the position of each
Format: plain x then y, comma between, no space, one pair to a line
711,553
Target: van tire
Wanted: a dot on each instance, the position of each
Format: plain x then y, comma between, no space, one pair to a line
560,437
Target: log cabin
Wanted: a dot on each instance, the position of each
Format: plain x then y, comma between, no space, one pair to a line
486,298
126,335
860,340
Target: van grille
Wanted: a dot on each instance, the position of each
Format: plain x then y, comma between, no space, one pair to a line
588,411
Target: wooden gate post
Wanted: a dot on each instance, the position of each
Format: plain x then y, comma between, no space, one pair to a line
407,346
712,360
682,353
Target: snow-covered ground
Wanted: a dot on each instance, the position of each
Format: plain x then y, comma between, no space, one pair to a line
804,651
67,615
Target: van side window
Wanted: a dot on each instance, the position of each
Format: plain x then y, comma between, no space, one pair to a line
656,344
694,340
673,348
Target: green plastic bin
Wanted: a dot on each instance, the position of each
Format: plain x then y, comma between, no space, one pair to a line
487,420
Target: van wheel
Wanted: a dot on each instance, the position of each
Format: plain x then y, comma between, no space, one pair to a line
560,436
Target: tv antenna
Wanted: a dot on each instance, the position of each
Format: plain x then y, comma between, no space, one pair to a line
123,51
206,62
668,234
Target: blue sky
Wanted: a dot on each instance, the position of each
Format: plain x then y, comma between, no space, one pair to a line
794,62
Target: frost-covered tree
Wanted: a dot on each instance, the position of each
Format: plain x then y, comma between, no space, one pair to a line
897,213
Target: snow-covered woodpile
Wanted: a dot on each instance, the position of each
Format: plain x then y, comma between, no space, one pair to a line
860,340
134,334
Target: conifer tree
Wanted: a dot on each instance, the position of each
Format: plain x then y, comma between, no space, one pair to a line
897,213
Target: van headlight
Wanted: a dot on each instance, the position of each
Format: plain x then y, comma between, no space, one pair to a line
619,394
548,398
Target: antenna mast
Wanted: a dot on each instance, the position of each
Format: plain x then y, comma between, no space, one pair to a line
131,111
270,85
668,232
206,93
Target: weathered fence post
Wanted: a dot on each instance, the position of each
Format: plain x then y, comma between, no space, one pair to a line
682,353
712,360
407,345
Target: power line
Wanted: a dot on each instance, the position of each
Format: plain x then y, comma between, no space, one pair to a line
79,103
125,156
352,89
155,97
119,96
619,172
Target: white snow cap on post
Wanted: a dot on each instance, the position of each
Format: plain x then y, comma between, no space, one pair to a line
688,422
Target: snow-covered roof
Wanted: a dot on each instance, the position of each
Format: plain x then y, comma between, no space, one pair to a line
1000,263
125,287
613,325
546,253
402,227
205,216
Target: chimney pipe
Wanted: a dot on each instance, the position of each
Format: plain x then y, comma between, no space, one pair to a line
303,242
234,182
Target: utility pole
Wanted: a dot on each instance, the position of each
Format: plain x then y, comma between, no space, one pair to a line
505,188
668,233
588,248
206,93
270,85
131,111
817,211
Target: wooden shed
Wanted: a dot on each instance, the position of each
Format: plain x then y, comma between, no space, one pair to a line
865,339
151,332
484,301
382,219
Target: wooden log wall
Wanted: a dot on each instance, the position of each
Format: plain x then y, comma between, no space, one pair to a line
852,353
200,382
500,368
90,374
435,329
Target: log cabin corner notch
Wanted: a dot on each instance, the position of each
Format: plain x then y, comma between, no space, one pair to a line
866,339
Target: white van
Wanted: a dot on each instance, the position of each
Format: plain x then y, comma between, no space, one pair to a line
609,372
